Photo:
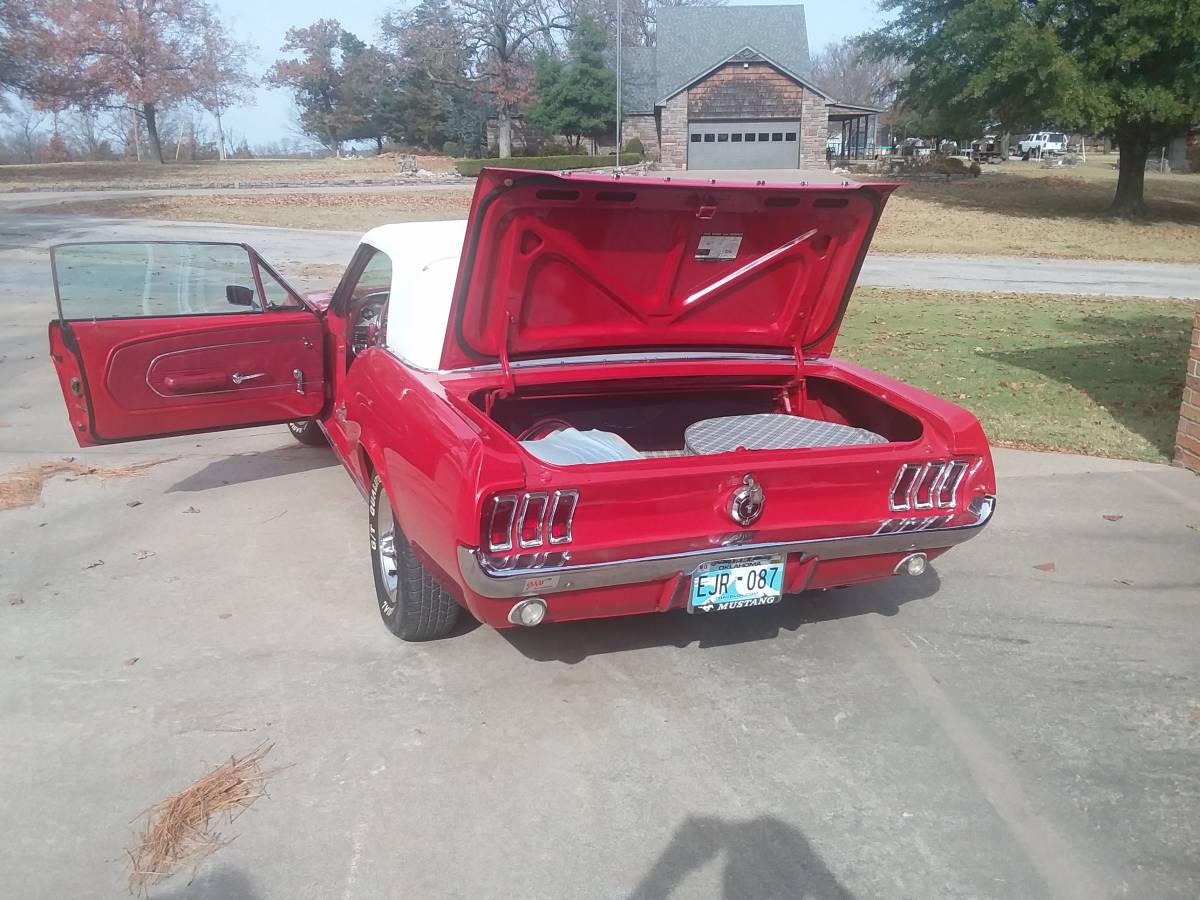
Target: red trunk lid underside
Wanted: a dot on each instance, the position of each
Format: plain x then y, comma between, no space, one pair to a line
564,264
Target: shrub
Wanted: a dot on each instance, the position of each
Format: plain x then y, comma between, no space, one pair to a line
470,167
975,170
452,148
634,145
554,148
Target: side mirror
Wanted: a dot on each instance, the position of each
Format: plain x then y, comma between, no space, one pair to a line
239,295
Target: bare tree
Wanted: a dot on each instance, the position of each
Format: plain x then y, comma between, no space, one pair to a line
505,35
844,71
142,55
222,80
27,133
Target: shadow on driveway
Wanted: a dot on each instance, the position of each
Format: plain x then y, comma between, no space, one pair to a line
245,467
224,883
764,858
573,642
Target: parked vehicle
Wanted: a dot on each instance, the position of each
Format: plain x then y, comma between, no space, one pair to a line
596,397
990,148
1042,143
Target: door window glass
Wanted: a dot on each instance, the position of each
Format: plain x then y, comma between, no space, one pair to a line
764,135
723,137
791,136
695,138
736,137
278,296
368,303
133,280
709,138
777,136
750,135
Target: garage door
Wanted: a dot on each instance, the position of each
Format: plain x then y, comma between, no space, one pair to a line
772,144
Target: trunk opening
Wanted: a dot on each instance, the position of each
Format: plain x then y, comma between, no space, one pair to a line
654,421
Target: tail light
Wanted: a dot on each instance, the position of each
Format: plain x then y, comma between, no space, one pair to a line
528,522
500,524
531,523
927,485
562,514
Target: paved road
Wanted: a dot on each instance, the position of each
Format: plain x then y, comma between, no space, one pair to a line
990,730
294,248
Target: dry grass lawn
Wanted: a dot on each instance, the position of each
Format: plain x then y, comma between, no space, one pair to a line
1014,209
246,172
338,211
1021,209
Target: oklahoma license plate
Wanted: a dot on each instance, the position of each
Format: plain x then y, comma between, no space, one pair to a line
736,584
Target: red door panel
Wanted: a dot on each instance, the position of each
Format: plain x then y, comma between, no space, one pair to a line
126,379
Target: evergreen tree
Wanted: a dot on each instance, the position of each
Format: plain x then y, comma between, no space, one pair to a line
577,98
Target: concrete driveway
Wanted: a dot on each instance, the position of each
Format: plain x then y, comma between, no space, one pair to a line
989,730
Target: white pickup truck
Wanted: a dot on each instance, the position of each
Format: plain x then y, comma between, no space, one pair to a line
1042,143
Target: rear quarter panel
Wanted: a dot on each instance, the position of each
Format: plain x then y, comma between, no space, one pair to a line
433,462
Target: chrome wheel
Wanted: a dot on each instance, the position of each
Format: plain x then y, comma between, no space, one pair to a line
385,546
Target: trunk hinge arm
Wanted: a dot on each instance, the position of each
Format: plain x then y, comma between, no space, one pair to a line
509,385
797,383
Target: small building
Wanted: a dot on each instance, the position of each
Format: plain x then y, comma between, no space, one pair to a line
728,87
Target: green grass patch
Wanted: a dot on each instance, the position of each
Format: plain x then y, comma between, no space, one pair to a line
470,167
1097,376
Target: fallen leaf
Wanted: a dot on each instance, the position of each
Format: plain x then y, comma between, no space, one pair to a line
225,616
23,487
191,509
93,565
16,600
1113,518
1045,567
132,660
1194,527
144,554
1123,581
133,503
1196,713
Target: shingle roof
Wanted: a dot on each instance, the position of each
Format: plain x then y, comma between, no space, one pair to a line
638,75
693,39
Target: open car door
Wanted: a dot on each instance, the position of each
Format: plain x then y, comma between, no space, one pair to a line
157,338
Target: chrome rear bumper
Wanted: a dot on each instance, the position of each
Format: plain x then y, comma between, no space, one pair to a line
513,583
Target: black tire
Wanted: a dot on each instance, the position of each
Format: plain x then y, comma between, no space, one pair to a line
412,604
308,432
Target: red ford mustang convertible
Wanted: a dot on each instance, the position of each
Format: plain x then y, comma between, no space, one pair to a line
598,396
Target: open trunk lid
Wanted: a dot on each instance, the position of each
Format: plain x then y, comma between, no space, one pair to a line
557,265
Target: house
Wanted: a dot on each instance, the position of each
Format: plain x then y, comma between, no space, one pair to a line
728,87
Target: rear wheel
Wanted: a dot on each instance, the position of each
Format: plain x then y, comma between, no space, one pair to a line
307,431
412,604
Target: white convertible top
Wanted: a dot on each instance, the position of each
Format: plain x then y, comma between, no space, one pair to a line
424,258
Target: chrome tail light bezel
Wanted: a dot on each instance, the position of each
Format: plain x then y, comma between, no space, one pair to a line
542,499
499,501
926,486
508,514
566,500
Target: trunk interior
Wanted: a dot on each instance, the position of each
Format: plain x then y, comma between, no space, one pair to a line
654,421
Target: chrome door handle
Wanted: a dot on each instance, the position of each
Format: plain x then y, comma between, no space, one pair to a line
238,377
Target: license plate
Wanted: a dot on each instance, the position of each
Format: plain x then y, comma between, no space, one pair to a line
736,584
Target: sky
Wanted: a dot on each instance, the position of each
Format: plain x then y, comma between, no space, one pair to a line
271,117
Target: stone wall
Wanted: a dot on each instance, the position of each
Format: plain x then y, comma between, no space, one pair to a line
1187,441
814,131
644,128
674,132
